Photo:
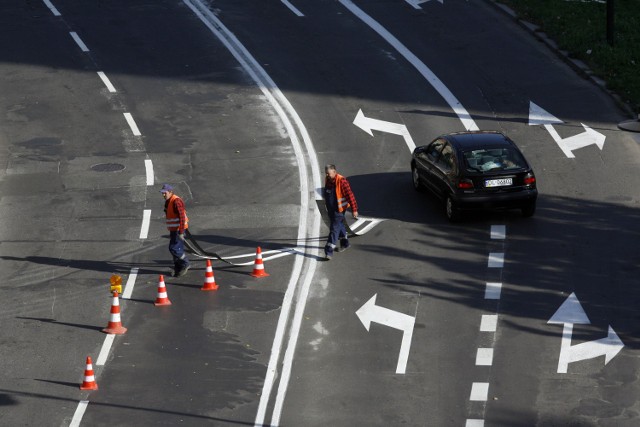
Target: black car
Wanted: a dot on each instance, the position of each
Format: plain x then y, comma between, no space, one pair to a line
475,171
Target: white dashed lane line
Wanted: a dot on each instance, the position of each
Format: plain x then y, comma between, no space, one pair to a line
146,221
148,165
132,124
474,423
479,392
77,416
484,357
493,290
496,260
489,323
131,282
498,232
79,41
52,8
106,82
104,351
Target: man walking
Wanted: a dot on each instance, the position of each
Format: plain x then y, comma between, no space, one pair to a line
337,197
177,224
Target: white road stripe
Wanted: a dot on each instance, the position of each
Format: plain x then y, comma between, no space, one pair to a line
437,84
496,260
52,8
292,7
146,220
489,323
498,232
474,423
148,165
106,82
280,103
484,357
104,351
479,392
79,42
131,282
493,290
132,124
77,416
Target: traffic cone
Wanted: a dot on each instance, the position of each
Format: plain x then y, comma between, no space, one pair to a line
258,266
89,382
115,325
162,298
209,280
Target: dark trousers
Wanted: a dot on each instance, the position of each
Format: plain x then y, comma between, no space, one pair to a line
176,247
337,232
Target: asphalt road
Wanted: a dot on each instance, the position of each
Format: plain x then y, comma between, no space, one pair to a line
207,127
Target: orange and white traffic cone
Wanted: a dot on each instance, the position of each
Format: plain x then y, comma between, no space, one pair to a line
162,298
258,266
115,324
209,280
89,382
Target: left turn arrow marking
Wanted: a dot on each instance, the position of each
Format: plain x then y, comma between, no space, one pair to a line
369,125
370,312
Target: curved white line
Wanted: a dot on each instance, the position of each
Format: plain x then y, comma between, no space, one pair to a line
279,102
426,72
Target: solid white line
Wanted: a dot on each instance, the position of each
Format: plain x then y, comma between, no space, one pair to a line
131,282
493,290
498,232
489,323
77,416
106,82
132,124
279,102
52,8
104,351
292,7
479,392
484,357
148,165
79,42
496,260
437,84
474,423
146,220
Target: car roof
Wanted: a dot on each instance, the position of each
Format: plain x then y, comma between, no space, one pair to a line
478,139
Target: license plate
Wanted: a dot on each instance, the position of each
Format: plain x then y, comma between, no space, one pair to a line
498,182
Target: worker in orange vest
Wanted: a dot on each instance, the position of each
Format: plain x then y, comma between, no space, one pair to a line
337,197
177,224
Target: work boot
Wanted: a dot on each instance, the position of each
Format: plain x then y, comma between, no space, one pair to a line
183,271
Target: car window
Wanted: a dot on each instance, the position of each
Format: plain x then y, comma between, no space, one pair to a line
445,162
434,149
493,159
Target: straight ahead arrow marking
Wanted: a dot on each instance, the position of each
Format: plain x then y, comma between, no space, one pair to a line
538,116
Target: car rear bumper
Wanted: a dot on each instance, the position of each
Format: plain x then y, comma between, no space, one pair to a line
514,200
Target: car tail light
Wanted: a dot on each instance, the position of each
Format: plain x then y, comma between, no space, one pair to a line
465,184
529,179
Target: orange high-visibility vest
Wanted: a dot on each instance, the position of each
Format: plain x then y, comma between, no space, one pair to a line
173,216
342,201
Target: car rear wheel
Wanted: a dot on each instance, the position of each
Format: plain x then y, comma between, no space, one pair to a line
529,210
453,213
415,177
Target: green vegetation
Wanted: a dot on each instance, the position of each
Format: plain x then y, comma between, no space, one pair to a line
579,27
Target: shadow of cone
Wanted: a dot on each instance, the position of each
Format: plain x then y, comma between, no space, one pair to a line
209,280
115,324
89,382
258,265
162,298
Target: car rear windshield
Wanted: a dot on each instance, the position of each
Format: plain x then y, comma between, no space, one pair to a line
493,159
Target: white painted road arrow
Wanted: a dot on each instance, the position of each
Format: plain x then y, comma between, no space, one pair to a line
370,312
570,313
368,125
538,116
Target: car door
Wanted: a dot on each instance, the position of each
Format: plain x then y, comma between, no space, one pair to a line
429,160
445,170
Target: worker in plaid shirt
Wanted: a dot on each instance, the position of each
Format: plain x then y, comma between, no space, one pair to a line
338,197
